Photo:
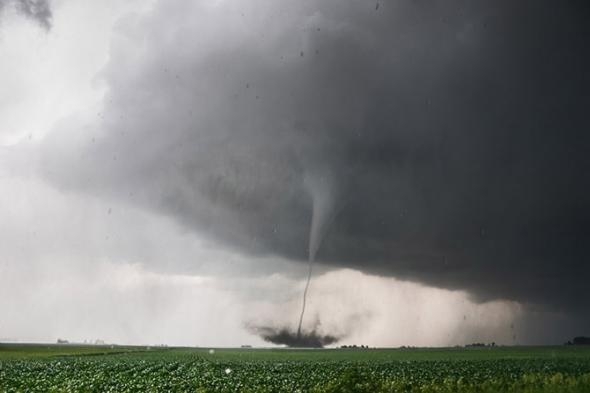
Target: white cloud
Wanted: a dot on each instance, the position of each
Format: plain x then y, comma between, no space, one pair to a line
48,75
380,311
118,303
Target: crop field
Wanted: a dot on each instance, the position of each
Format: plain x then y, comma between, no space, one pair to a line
69,368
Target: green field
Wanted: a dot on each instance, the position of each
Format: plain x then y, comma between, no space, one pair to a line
70,368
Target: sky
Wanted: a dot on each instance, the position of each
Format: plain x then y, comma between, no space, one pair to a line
168,168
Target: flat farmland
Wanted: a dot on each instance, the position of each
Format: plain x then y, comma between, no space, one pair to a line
72,368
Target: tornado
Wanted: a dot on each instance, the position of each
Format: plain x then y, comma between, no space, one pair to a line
321,188
325,204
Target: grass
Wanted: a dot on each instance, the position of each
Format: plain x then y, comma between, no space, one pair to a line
39,351
70,368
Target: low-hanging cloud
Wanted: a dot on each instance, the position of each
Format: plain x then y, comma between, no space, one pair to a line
448,141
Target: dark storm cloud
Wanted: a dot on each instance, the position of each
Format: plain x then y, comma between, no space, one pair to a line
442,142
38,10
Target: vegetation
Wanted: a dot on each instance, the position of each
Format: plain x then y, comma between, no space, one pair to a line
139,369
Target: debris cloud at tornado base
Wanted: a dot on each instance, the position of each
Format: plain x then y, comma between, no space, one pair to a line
295,339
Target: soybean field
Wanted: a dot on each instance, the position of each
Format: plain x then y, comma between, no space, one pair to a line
71,368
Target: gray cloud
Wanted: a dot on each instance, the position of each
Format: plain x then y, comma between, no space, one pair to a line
38,10
446,143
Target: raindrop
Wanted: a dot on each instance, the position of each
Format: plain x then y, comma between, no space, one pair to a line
377,6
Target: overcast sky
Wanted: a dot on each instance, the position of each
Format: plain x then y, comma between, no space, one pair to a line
167,168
